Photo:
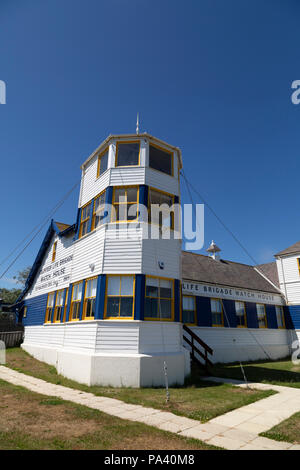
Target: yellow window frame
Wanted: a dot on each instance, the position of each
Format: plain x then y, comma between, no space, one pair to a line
166,151
172,196
116,204
49,308
73,302
102,206
84,317
195,309
82,221
99,161
58,306
161,298
265,316
298,261
106,296
25,311
54,251
245,313
127,142
221,325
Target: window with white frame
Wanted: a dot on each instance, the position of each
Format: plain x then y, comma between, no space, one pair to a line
189,309
240,311
216,312
261,315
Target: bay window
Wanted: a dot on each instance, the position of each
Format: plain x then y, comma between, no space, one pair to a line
160,159
102,163
128,154
125,204
119,296
99,211
159,298
84,220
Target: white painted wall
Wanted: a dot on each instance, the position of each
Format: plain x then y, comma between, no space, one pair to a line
289,278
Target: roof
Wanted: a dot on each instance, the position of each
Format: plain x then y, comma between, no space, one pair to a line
201,268
132,136
61,230
293,249
270,271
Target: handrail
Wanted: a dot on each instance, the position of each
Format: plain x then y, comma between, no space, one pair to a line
207,349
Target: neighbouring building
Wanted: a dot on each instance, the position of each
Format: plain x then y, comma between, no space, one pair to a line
106,304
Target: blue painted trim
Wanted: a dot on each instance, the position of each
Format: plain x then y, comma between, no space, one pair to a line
82,299
139,302
77,224
251,312
176,300
69,302
229,313
108,203
64,303
91,215
293,316
54,301
271,317
203,311
100,298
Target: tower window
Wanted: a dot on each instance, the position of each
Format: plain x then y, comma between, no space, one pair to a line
76,301
119,297
159,299
90,299
164,217
240,312
58,305
50,306
102,163
125,204
128,154
160,159
261,315
84,221
99,211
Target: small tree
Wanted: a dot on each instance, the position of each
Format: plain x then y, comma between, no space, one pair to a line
9,296
22,276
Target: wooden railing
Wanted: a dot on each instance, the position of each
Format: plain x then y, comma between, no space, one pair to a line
11,338
195,349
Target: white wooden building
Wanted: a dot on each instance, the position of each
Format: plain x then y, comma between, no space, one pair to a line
106,304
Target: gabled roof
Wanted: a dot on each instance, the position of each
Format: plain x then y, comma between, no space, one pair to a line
196,267
270,271
60,229
293,249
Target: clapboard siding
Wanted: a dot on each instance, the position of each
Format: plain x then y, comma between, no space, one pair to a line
159,337
159,180
245,344
127,176
120,336
44,335
289,278
36,310
88,251
123,255
168,251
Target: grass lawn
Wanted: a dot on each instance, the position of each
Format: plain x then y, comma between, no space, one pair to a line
31,421
288,430
197,399
278,373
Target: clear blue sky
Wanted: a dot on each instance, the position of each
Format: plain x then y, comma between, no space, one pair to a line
210,76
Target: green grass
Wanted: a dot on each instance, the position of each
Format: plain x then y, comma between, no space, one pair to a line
29,421
282,372
288,430
198,399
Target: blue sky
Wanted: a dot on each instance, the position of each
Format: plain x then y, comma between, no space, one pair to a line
210,76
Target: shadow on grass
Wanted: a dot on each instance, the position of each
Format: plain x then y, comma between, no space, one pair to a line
273,372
